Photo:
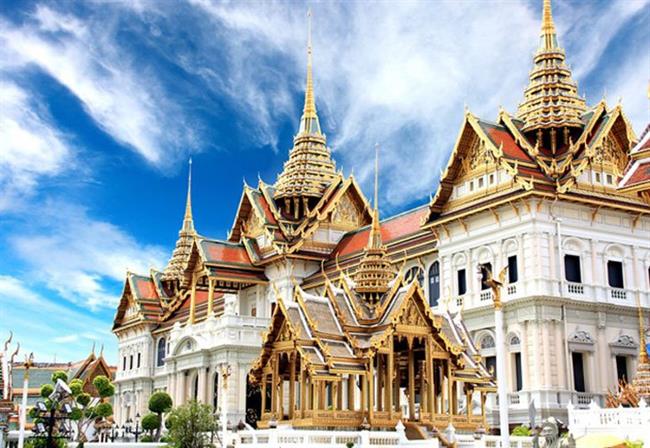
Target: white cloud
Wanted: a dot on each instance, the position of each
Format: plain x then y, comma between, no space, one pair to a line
397,73
30,146
126,101
48,327
80,257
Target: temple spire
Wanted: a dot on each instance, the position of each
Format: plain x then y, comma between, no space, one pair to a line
310,168
551,100
188,220
375,270
549,36
178,260
309,123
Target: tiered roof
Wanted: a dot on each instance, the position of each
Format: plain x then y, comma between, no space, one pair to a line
637,173
310,168
551,99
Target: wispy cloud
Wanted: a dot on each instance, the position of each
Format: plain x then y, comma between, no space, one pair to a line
30,145
81,258
126,101
47,327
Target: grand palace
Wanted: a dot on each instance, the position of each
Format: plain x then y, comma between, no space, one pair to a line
316,313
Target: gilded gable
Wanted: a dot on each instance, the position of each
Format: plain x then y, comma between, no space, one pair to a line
479,157
346,213
253,225
610,154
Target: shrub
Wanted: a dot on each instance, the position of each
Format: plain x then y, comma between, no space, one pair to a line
104,386
104,410
46,390
151,422
146,438
83,399
76,386
59,375
160,402
190,424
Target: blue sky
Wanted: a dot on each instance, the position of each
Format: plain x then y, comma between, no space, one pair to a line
102,103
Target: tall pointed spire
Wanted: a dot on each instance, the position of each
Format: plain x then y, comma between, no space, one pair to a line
375,270
310,168
188,221
309,123
551,99
181,254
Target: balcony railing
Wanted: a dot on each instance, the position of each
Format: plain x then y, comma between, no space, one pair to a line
618,294
512,290
486,295
575,288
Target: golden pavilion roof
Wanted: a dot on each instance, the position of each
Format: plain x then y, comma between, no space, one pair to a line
183,249
310,168
551,98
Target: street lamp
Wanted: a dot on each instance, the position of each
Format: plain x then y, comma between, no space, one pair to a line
485,276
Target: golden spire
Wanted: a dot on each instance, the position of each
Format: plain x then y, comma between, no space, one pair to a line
548,27
375,270
309,123
181,254
310,168
551,99
188,221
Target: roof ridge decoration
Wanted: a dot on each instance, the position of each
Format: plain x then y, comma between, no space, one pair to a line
375,270
310,168
180,256
551,99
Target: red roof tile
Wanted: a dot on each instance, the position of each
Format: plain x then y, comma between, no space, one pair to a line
510,148
145,288
391,229
219,251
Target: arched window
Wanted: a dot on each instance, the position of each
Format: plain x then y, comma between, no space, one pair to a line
434,283
160,353
414,273
487,342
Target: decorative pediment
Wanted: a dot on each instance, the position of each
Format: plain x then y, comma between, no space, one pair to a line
610,154
253,225
581,337
346,213
624,341
285,333
478,157
411,316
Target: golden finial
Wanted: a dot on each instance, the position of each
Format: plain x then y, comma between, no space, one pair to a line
188,221
548,27
374,241
309,123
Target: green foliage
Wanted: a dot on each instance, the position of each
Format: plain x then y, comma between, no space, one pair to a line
169,421
522,431
349,444
76,386
35,442
59,375
150,422
104,410
104,386
83,399
46,390
76,414
33,413
146,439
190,424
160,402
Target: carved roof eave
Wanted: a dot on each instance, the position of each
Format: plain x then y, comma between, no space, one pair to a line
446,181
123,305
320,213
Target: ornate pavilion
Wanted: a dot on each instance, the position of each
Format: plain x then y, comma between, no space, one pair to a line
359,320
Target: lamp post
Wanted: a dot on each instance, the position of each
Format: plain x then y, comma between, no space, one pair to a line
495,285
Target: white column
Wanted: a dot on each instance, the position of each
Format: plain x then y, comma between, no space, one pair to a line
23,410
201,392
502,384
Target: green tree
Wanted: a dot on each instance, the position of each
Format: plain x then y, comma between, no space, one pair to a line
190,423
151,423
160,403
